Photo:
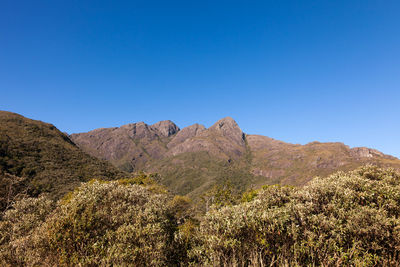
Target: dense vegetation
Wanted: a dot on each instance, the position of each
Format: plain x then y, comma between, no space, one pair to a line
348,218
35,157
98,224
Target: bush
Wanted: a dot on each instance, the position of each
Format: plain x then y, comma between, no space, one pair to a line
16,229
102,223
345,219
12,188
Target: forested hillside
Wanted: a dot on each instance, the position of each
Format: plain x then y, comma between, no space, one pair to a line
35,158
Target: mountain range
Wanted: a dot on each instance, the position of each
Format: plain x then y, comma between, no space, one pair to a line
35,157
191,160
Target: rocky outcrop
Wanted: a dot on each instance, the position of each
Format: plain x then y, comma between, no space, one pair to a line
137,131
186,134
224,140
365,152
165,128
228,128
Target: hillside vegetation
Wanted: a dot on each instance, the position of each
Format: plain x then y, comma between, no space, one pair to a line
346,219
35,158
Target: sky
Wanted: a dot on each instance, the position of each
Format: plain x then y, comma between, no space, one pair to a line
296,71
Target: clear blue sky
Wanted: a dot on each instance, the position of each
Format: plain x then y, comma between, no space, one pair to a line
297,71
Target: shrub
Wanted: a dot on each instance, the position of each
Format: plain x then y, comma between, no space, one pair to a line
103,223
16,229
147,180
346,219
219,195
12,188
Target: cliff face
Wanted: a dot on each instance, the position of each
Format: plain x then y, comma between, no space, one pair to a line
194,158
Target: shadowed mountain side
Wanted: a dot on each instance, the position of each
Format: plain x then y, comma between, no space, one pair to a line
35,157
193,159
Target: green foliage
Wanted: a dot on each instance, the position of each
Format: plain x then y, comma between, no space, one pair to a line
345,219
100,223
16,228
11,188
195,173
249,195
182,208
220,195
147,180
45,158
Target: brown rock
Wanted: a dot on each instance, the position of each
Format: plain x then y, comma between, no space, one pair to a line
165,128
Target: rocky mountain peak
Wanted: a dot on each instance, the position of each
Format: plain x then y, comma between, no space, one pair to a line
191,131
229,128
364,152
138,130
166,128
226,124
187,133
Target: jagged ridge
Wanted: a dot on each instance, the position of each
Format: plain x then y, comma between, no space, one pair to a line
194,158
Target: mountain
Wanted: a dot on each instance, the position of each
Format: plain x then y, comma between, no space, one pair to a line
35,157
130,146
192,160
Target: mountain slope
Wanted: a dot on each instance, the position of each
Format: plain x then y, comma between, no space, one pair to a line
36,157
130,146
291,164
193,159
